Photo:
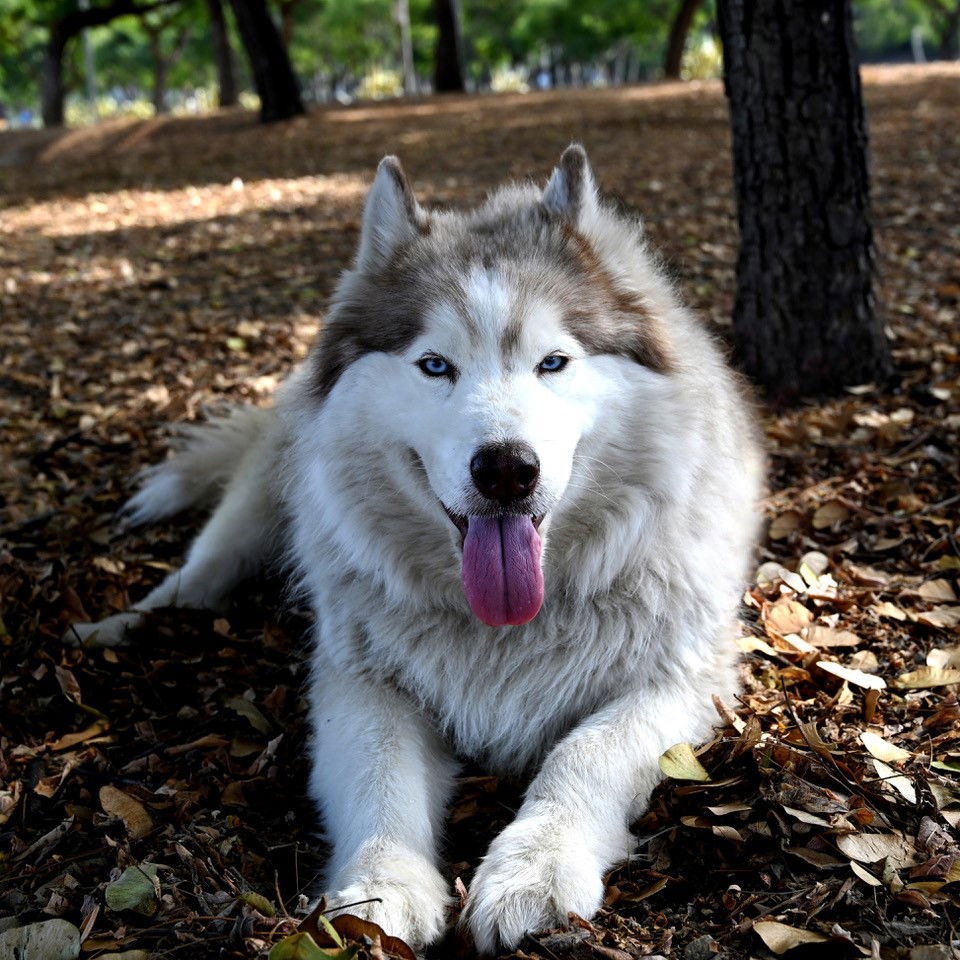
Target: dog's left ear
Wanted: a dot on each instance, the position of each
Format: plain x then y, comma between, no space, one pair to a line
571,190
391,215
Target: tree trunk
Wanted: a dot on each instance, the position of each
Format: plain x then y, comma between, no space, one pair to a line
222,54
406,48
804,321
448,54
52,88
273,75
950,33
159,89
52,91
677,40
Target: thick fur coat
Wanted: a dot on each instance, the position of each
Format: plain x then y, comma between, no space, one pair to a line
539,323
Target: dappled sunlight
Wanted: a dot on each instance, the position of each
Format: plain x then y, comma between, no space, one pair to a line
106,212
891,75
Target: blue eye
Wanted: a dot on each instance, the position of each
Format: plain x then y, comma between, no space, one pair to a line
553,363
434,366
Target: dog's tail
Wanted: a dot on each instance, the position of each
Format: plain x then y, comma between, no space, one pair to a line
206,457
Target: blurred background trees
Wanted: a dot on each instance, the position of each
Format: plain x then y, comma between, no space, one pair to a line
150,56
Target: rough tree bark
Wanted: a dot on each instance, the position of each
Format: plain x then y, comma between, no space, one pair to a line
804,320
448,53
677,40
273,75
52,88
222,55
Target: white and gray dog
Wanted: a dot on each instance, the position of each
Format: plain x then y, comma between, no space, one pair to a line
518,482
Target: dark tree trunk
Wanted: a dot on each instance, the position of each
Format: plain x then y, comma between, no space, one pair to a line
52,88
448,54
159,89
950,33
273,75
677,41
804,321
222,54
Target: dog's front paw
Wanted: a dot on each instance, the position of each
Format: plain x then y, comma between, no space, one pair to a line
111,632
404,894
533,876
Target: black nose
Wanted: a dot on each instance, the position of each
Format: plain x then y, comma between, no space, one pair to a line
506,471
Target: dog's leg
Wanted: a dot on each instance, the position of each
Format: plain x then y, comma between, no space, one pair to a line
382,777
574,822
236,541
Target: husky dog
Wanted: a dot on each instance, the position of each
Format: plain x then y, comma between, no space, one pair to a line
517,481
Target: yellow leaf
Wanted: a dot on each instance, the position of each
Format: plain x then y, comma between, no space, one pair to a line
680,763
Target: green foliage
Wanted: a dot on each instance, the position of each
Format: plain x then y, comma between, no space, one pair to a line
358,40
884,26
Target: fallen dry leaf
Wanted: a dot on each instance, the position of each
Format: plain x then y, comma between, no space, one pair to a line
780,938
856,677
883,749
928,677
132,812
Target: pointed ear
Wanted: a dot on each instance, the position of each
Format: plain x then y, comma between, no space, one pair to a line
391,215
571,190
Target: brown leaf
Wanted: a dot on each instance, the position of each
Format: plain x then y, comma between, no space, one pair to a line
787,616
355,928
132,812
832,514
784,524
780,938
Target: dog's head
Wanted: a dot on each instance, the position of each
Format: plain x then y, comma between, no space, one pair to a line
486,347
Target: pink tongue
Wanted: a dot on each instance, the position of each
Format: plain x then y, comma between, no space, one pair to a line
501,569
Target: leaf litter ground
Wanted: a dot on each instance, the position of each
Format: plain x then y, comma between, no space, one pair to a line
152,797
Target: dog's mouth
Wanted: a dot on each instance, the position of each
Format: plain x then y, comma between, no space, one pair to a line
462,523
502,576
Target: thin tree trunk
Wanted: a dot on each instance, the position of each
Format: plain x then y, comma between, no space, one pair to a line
272,73
677,40
159,87
448,53
406,48
222,54
804,321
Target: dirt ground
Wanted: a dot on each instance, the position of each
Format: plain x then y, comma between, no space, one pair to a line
152,270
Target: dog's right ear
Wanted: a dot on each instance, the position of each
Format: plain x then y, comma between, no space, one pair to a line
571,191
391,215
